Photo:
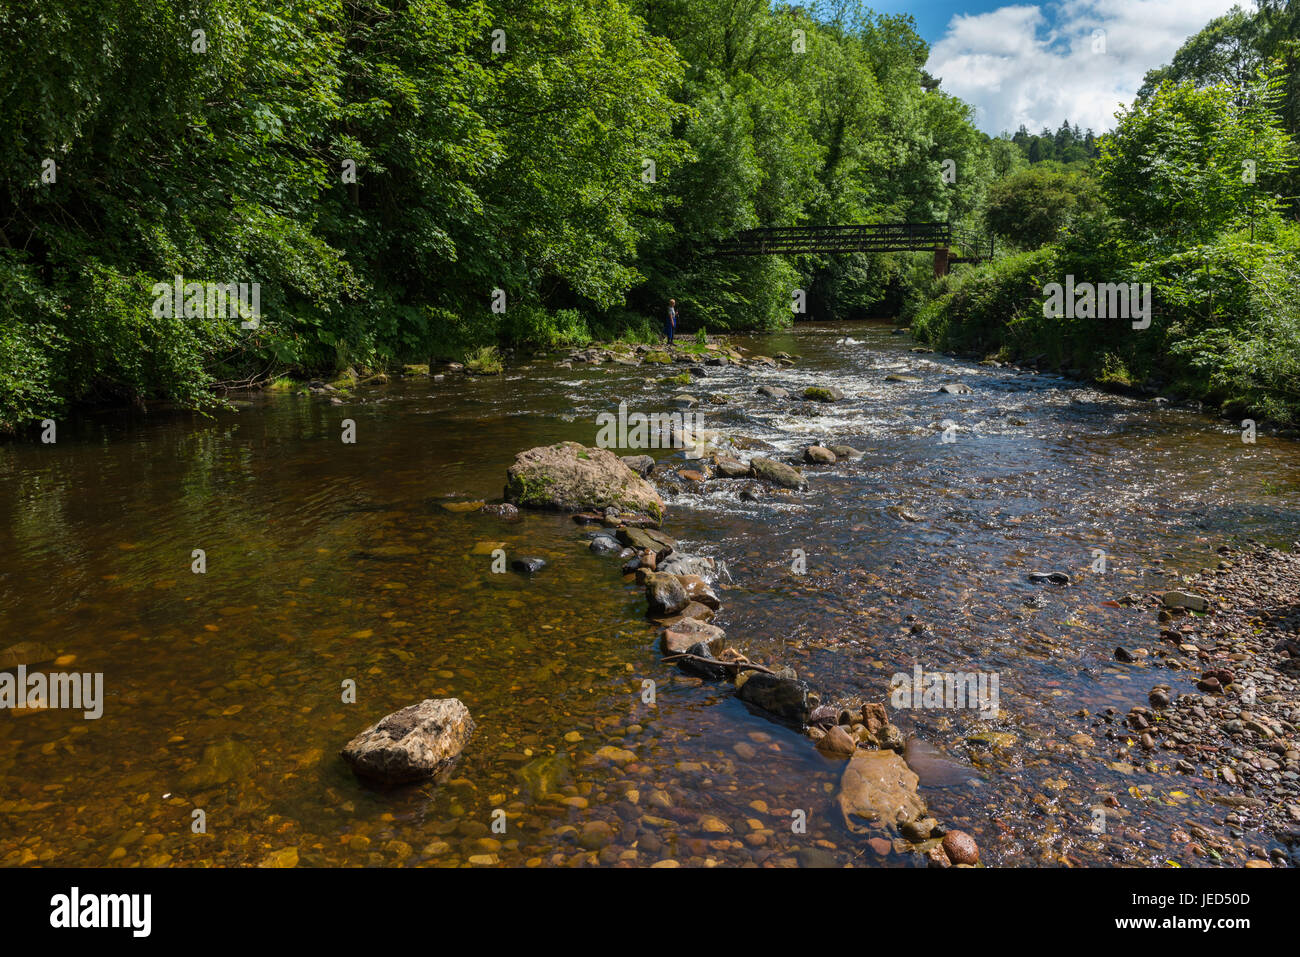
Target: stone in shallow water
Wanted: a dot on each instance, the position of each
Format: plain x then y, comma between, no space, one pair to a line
961,848
646,539
221,763
786,698
932,768
528,565
665,594
777,473
502,510
680,636
697,589
642,465
570,477
412,744
879,788
1182,599
25,653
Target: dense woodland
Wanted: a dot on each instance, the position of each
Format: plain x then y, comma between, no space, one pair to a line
383,167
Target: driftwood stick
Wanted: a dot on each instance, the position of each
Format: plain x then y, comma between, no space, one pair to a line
738,665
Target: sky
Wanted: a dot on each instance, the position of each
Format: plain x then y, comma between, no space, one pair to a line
1041,63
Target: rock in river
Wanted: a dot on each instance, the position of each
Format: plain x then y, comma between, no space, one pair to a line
502,510
837,742
823,393
731,468
642,465
961,848
776,472
697,589
878,787
1182,599
932,768
647,540
571,477
412,744
682,635
819,455
785,698
665,594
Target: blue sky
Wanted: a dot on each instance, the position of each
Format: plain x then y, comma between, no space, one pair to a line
1040,63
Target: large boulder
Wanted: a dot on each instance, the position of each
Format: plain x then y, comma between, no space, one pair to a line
415,743
571,477
776,472
878,788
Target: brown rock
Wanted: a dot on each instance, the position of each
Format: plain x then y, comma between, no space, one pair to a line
837,741
415,743
665,594
570,477
682,635
879,787
961,848
697,589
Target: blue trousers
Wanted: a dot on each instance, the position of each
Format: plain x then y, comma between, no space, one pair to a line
669,328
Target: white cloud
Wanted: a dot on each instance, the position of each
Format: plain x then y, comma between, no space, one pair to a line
1041,64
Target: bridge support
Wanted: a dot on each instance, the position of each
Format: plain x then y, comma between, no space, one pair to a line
941,261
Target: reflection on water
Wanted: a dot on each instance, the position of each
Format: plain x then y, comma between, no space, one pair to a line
328,562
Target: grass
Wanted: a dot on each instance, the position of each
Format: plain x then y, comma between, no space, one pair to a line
485,360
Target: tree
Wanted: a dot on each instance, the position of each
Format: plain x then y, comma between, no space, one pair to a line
1031,207
1185,163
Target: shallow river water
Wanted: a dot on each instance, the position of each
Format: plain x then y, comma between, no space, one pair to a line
330,562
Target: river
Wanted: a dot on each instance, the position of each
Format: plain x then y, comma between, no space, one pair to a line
329,563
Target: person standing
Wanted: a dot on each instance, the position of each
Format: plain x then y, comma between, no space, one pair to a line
670,323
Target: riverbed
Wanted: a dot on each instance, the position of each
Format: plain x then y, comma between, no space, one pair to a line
332,563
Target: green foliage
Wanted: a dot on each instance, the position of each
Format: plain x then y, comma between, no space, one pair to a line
1031,207
485,360
1068,146
380,171
976,309
1187,163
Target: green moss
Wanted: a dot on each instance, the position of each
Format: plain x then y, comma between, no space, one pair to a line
526,490
658,358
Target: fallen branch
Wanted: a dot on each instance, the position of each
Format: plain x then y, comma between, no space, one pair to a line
738,665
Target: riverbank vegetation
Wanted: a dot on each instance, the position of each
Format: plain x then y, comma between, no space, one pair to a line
421,179
1195,194
417,180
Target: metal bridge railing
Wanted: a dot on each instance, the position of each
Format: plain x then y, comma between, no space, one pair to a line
875,237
